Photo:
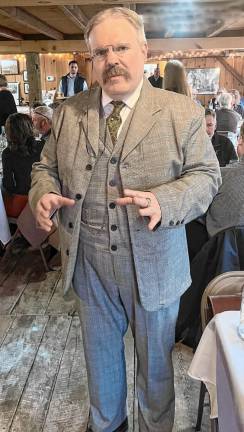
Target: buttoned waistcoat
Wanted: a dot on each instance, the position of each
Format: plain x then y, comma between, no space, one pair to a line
166,151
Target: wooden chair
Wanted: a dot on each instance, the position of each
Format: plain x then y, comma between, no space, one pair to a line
222,293
37,237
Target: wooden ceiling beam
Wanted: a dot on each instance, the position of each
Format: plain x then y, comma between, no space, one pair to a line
230,69
26,19
225,26
157,45
75,14
131,6
10,34
101,2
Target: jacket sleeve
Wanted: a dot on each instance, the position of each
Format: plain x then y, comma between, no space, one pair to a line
44,174
190,195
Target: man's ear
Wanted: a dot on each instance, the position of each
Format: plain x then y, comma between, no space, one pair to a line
145,50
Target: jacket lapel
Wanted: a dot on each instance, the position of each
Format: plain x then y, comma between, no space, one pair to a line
143,118
89,121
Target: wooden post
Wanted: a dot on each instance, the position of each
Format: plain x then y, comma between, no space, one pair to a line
34,77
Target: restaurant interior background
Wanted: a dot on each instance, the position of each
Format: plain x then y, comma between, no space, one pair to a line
202,34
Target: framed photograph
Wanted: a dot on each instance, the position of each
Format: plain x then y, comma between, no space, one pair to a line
25,75
204,81
10,67
14,88
26,88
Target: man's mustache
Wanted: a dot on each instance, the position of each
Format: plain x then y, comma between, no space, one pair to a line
113,71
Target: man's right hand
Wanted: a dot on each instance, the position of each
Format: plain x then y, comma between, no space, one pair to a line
46,206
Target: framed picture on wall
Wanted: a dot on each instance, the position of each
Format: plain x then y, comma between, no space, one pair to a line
204,81
10,67
25,75
26,88
14,88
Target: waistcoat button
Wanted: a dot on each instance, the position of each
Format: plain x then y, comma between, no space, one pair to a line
114,227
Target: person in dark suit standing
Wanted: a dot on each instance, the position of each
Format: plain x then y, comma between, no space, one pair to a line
73,82
127,165
156,80
7,102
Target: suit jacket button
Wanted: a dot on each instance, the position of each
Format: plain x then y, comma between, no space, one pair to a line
114,227
78,196
67,252
113,160
71,225
88,167
114,248
112,205
171,223
112,183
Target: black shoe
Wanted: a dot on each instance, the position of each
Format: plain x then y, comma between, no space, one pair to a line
122,428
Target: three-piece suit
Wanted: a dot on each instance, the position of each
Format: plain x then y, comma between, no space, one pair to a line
121,272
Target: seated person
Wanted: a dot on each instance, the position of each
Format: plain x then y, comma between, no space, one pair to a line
42,121
17,159
236,105
227,208
223,147
227,118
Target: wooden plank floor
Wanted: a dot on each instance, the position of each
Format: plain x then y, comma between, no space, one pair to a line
43,385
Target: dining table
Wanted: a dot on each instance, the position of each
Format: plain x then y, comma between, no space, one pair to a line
219,363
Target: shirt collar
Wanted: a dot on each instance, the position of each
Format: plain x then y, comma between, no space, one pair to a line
129,101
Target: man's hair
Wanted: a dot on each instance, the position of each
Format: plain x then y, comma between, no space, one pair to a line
3,81
20,134
210,112
117,12
175,78
36,104
44,111
225,100
73,62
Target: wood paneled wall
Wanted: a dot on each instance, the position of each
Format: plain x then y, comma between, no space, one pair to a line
227,80
56,65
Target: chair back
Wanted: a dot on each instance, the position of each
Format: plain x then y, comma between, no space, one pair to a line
28,227
227,283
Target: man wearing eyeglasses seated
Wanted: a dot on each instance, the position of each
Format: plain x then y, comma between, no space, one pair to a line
42,121
127,165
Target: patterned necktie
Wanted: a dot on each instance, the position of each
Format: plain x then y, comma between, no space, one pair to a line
114,120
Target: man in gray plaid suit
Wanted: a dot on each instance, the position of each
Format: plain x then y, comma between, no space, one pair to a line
127,165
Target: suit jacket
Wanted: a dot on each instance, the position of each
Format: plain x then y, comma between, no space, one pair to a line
227,208
224,149
166,151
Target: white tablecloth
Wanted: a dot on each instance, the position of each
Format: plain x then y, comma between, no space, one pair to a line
219,363
5,235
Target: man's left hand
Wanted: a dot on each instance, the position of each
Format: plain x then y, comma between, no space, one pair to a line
147,203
